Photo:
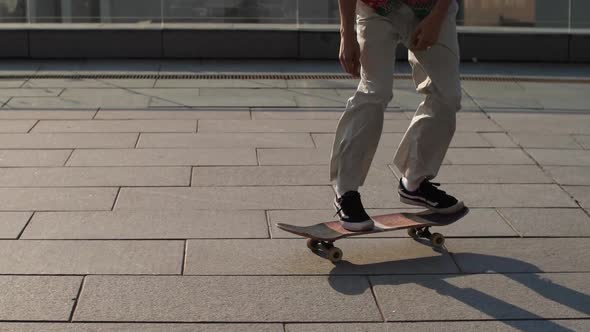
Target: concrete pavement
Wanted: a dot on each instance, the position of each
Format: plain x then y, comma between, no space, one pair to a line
150,205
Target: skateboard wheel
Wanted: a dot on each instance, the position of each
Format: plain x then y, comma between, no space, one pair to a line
334,254
412,233
312,244
327,245
437,240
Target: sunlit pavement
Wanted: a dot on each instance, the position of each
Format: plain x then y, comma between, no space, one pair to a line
149,202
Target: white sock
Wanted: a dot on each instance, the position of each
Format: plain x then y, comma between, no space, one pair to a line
410,186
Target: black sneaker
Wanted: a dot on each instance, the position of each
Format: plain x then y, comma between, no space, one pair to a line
352,213
429,196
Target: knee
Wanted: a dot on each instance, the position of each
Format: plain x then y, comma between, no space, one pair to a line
374,96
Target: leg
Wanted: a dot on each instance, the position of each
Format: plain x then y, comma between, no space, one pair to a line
436,75
359,129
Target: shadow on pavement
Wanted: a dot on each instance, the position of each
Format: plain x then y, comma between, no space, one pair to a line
487,304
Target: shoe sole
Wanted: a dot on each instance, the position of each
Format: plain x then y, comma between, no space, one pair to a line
450,210
366,225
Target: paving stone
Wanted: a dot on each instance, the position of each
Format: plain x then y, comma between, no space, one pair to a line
521,255
66,83
16,126
12,223
267,126
548,222
570,175
580,194
487,174
226,198
381,196
269,92
500,95
114,126
482,296
499,140
549,124
558,96
91,257
188,114
317,101
498,326
222,98
56,199
66,141
392,140
488,157
317,113
48,92
25,158
476,124
226,140
511,195
147,224
95,176
225,83
260,176
322,84
139,327
320,156
291,256
294,156
561,157
478,223
163,157
109,98
388,140
11,83
545,141
583,141
60,103
226,299
46,115
37,297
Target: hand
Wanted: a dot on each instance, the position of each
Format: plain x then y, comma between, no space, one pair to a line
350,54
427,32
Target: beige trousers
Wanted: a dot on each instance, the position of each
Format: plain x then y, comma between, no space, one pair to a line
436,75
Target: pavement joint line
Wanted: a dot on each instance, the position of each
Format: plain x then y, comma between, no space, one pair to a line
374,296
506,220
197,126
25,226
357,238
65,164
184,251
76,299
268,224
34,125
137,140
319,275
116,199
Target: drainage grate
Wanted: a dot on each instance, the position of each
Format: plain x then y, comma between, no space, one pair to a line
256,76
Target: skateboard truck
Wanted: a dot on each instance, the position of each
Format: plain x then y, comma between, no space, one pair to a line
326,248
436,239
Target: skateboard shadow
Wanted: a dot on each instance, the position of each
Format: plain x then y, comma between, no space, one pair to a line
499,309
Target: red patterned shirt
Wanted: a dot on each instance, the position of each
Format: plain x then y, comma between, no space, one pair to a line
383,7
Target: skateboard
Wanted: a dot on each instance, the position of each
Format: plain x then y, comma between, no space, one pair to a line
321,237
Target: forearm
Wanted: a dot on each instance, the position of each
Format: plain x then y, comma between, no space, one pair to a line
347,15
441,8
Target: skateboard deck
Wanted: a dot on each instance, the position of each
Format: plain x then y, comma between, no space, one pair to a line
333,230
322,236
